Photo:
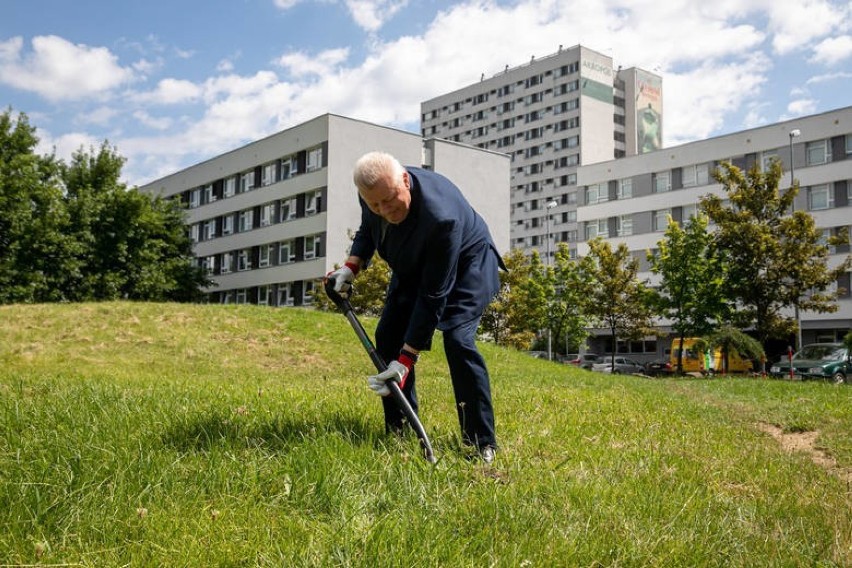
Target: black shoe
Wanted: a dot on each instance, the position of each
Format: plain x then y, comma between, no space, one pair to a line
487,454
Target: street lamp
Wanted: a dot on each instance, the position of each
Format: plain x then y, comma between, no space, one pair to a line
795,133
550,205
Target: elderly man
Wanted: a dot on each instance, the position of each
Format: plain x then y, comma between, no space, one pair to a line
445,272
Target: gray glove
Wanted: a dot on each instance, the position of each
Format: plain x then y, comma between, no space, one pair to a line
396,372
342,278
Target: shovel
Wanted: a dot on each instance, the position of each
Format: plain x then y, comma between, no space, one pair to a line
346,308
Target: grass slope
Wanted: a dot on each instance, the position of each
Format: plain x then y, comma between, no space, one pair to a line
175,435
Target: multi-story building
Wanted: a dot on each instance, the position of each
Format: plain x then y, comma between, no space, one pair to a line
551,115
269,219
630,200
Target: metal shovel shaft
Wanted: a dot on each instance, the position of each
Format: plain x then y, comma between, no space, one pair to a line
344,306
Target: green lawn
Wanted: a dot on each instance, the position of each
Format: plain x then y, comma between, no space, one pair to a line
175,435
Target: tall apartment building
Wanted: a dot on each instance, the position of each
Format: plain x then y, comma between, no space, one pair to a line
552,115
630,200
269,219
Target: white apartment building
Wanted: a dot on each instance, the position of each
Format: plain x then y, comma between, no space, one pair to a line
552,115
629,200
270,219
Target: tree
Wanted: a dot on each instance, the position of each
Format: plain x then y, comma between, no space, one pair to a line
774,260
691,289
727,338
131,245
370,288
35,254
514,315
567,305
616,299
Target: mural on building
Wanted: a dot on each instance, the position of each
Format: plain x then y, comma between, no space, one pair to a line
649,112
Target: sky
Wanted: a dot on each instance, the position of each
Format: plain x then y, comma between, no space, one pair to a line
170,84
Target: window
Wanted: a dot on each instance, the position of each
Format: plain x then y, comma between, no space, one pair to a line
230,186
660,220
242,296
288,209
688,212
227,224
267,214
195,198
246,220
246,181
817,152
285,294
268,174
848,144
263,295
288,167
820,197
264,256
662,182
696,175
825,235
308,292
286,252
766,159
570,216
209,230
209,264
596,229
314,159
625,188
227,262
312,202
244,260
624,225
209,197
194,231
597,193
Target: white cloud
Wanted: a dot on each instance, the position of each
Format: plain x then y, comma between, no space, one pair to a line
169,92
833,50
225,66
57,69
799,107
300,64
66,144
828,77
101,116
371,15
286,4
755,115
797,24
146,119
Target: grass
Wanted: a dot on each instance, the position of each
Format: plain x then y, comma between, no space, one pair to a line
174,435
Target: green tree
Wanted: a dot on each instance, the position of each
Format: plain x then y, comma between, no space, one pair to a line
502,320
369,290
691,288
617,300
35,253
775,259
727,338
567,305
131,245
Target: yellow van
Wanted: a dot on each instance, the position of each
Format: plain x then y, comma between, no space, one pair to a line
697,362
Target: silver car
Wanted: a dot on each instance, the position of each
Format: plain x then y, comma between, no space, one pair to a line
623,366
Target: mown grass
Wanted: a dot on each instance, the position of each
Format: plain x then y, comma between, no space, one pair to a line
173,435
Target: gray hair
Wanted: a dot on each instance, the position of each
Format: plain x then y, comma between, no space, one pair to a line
372,167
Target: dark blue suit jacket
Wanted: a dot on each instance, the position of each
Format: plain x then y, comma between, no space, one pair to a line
442,256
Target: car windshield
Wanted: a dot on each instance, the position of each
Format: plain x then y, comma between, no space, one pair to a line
820,352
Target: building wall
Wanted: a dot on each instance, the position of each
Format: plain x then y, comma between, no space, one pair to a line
293,208
825,189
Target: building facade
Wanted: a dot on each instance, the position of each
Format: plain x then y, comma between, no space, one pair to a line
630,200
270,219
552,115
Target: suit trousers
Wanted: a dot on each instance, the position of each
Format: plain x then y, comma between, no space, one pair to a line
471,384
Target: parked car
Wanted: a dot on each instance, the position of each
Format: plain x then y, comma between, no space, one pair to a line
831,361
537,354
582,360
623,366
659,367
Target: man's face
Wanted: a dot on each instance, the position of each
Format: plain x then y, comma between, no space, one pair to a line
390,198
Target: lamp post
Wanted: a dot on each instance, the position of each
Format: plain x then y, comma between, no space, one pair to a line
550,205
794,134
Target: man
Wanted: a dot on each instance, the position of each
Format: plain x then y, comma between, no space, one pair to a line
445,272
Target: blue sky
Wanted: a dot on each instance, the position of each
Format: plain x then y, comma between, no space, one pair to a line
173,83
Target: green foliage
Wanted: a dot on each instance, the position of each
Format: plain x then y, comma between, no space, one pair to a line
774,260
151,434
691,290
370,289
616,300
76,232
505,320
567,305
726,338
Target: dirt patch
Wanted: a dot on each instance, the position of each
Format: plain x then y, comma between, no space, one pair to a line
805,443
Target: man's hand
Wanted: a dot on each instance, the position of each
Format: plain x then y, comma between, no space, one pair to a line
343,278
397,371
